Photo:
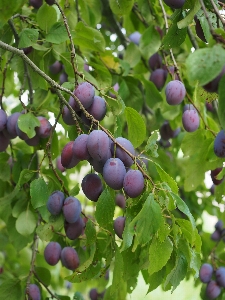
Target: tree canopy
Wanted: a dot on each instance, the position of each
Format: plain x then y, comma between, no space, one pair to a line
112,113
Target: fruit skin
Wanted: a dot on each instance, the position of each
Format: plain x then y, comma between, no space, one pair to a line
50,2
175,92
3,119
205,273
219,225
199,30
4,142
97,108
71,209
36,3
68,159
158,77
34,292
155,61
55,202
214,173
135,37
80,147
63,77
174,3
120,201
216,235
114,172
212,86
190,120
56,67
133,183
69,258
98,145
52,253
74,230
85,92
213,290
220,276
219,144
120,153
92,186
119,224
45,128
59,165
167,132
11,125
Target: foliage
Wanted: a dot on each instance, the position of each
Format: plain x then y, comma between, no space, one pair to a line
46,53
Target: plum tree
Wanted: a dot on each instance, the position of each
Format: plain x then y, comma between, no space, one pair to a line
133,183
175,92
55,202
92,186
52,253
69,258
71,209
219,144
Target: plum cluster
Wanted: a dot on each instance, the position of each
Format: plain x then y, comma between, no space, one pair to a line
95,105
71,208
68,256
215,284
9,129
219,231
106,158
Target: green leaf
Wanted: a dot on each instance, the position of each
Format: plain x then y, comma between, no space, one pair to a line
136,127
26,223
190,16
27,123
8,8
203,65
178,272
78,296
28,37
152,146
87,274
148,221
175,36
130,93
159,250
221,108
39,193
121,7
11,289
132,54
187,230
46,17
153,280
105,210
90,232
150,42
152,95
44,275
57,34
167,178
75,191
45,232
89,38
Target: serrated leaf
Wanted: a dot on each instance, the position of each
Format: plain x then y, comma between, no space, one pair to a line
28,37
26,223
148,221
27,123
89,261
87,274
57,34
203,65
190,16
153,96
221,108
150,42
152,146
136,127
178,272
46,17
105,209
90,232
45,232
8,8
121,7
39,193
10,289
44,274
117,274
132,54
25,176
89,38
167,178
162,250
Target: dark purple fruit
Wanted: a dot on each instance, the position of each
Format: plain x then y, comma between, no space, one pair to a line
74,230
52,253
85,92
92,186
212,86
175,92
34,292
212,290
120,153
98,145
71,209
45,128
158,77
190,120
214,173
120,200
114,172
56,67
80,149
68,159
119,224
220,276
69,258
176,4
55,202
155,61
36,3
97,108
133,183
205,273
219,144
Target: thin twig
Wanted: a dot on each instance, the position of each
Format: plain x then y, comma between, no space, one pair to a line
73,53
192,38
38,278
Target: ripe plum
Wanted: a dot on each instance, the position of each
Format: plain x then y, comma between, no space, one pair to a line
114,172
55,202
175,92
133,183
92,186
52,253
69,258
71,209
119,224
